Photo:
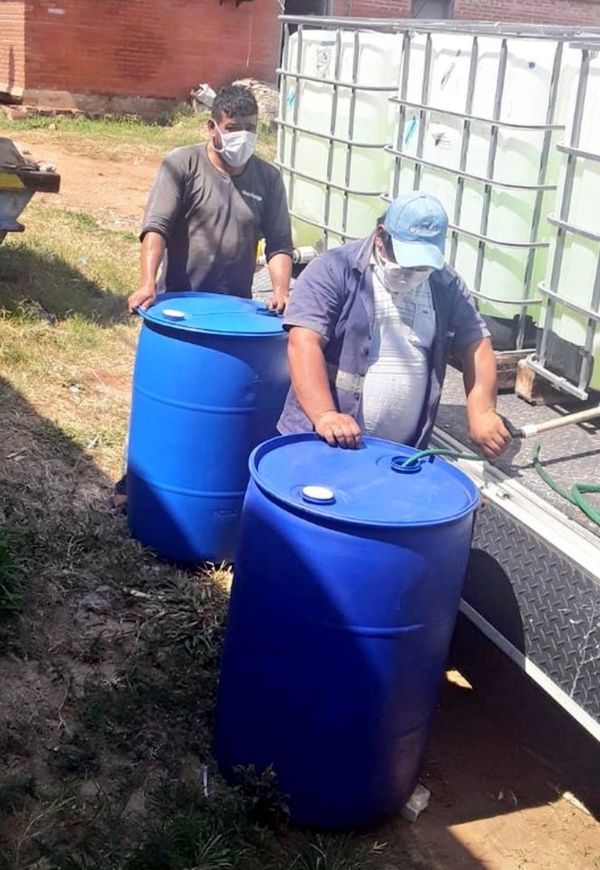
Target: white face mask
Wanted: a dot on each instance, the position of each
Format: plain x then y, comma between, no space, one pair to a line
236,147
397,279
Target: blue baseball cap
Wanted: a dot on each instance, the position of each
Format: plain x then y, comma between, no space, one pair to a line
417,223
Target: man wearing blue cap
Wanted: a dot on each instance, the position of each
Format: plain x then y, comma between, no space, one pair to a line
372,325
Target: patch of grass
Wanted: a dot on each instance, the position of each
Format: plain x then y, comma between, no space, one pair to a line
16,550
66,265
15,792
222,833
120,138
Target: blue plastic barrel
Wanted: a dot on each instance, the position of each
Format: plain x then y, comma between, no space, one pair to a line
347,585
209,383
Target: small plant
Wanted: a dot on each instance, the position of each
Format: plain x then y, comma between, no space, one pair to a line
266,804
11,587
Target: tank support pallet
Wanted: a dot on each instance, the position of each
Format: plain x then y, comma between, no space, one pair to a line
507,362
534,388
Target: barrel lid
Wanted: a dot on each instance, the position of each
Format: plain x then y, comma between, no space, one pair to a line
367,487
213,313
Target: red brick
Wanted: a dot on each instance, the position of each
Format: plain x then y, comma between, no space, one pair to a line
155,48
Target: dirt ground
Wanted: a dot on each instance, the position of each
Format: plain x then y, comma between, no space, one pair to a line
498,794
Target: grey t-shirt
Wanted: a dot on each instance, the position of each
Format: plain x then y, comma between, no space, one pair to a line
212,222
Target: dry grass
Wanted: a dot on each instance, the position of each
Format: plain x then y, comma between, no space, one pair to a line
108,657
122,139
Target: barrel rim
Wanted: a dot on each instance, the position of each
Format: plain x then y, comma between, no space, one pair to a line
313,510
177,326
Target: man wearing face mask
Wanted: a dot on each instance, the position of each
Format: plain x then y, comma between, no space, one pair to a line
208,208
372,325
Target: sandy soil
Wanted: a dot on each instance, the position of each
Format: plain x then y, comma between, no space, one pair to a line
497,795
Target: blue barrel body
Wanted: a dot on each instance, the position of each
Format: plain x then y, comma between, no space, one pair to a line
340,621
209,383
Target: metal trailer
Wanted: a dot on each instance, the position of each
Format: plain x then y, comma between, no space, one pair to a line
533,586
17,187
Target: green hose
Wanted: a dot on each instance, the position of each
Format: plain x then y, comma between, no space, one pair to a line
455,454
574,495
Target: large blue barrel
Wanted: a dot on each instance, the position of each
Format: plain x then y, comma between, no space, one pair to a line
209,383
347,584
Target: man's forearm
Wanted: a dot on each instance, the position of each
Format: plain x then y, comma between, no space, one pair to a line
479,377
309,375
151,256
280,272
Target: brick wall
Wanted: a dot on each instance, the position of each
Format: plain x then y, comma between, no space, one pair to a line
149,48
572,12
159,48
12,29
372,8
585,13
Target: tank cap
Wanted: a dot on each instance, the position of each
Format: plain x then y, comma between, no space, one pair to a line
173,313
315,494
397,463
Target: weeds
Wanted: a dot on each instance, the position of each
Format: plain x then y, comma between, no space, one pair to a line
15,553
121,138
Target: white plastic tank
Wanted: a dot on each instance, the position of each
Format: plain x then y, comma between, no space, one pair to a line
506,273
319,108
575,272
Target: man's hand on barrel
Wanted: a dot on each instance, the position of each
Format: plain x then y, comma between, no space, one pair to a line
278,301
339,430
143,297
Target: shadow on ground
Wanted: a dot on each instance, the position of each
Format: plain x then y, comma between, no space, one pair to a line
108,667
46,284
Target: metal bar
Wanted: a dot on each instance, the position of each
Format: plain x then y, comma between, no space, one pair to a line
384,89
464,147
509,29
497,243
491,121
351,119
493,147
519,302
284,94
332,126
537,208
578,152
572,228
379,145
322,226
565,204
585,45
406,46
422,112
479,178
566,303
559,382
590,332
287,168
295,110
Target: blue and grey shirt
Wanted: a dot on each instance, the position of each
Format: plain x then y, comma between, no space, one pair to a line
334,297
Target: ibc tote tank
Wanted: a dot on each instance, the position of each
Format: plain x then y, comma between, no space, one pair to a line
348,580
516,82
332,137
571,317
209,383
